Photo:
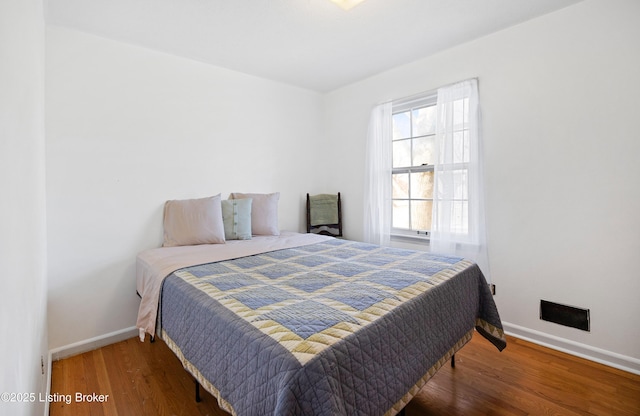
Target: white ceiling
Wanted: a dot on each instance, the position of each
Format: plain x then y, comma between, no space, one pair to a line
312,44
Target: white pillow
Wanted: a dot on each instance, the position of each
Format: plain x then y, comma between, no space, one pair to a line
193,221
264,212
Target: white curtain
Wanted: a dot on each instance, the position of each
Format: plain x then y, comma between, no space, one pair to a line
458,223
377,186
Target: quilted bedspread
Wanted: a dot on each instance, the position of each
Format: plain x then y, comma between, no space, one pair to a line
333,328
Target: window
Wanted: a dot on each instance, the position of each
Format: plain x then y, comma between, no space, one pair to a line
413,152
424,170
414,156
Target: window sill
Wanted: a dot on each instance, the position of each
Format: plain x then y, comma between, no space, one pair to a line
408,238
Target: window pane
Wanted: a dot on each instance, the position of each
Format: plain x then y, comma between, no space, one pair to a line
400,185
422,185
460,151
400,214
423,151
424,121
466,146
401,153
421,215
466,110
459,113
453,185
401,125
460,184
460,217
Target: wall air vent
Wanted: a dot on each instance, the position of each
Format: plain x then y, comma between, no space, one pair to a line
565,315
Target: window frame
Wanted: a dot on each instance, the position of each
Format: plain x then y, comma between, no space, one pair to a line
409,105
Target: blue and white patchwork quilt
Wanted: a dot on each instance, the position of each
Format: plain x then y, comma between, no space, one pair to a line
333,328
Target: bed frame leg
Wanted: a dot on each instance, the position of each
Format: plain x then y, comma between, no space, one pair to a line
198,399
152,339
453,361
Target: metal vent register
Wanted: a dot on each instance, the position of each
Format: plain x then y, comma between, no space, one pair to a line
565,315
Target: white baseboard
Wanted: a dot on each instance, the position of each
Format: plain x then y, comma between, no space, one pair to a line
92,343
611,359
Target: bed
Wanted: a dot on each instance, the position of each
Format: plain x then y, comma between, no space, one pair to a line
304,324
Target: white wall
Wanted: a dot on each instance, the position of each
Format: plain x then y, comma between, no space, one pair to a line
559,96
23,323
129,128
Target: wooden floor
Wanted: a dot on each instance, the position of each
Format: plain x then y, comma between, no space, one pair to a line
524,379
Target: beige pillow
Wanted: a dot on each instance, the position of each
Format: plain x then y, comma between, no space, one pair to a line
264,212
193,221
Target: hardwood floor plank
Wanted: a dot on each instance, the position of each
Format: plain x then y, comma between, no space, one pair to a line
129,391
71,379
102,387
524,379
